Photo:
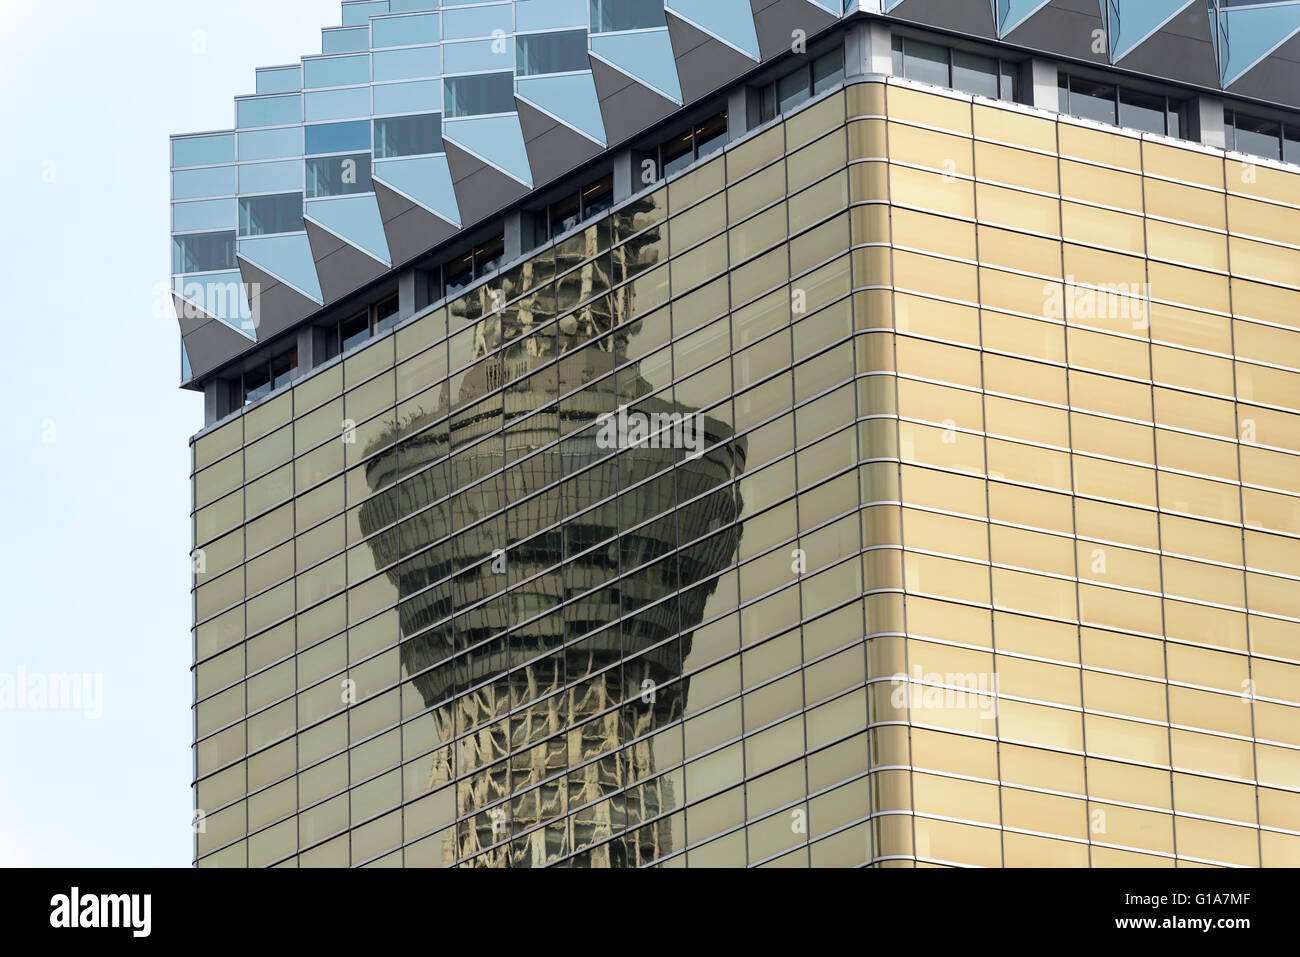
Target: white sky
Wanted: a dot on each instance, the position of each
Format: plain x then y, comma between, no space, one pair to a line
95,537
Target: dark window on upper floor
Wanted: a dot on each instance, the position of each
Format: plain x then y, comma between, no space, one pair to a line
1135,109
266,376
577,207
480,95
1261,137
338,175
360,326
802,83
408,135
963,70
680,151
563,51
263,215
611,15
473,265
354,330
203,252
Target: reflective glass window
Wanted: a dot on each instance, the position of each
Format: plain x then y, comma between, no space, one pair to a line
281,213
408,135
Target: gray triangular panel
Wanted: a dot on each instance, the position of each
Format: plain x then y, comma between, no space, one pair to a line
553,148
1063,27
189,315
340,266
1182,49
211,344
626,106
704,63
1273,78
968,17
278,306
776,21
480,189
411,229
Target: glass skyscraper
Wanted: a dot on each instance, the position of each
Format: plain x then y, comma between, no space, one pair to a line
750,433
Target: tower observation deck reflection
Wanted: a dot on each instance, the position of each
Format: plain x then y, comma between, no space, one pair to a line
551,690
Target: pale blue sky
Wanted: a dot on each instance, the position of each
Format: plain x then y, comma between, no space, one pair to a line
94,574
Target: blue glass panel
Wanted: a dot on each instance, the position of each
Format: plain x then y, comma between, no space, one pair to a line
426,180
222,296
833,6
186,372
1132,21
478,56
338,175
280,80
406,6
336,71
197,183
270,144
270,177
730,20
611,15
563,51
404,31
571,99
351,40
277,213
338,104
408,64
203,252
354,13
422,95
269,111
480,95
287,258
1012,13
355,219
338,137
647,56
204,150
408,135
477,21
549,14
1251,33
498,140
205,214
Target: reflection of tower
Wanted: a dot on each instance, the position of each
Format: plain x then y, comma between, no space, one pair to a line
545,732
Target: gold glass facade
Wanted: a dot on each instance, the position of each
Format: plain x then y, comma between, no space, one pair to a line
1081,471
987,553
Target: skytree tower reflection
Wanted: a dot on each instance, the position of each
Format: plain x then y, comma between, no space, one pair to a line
552,751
